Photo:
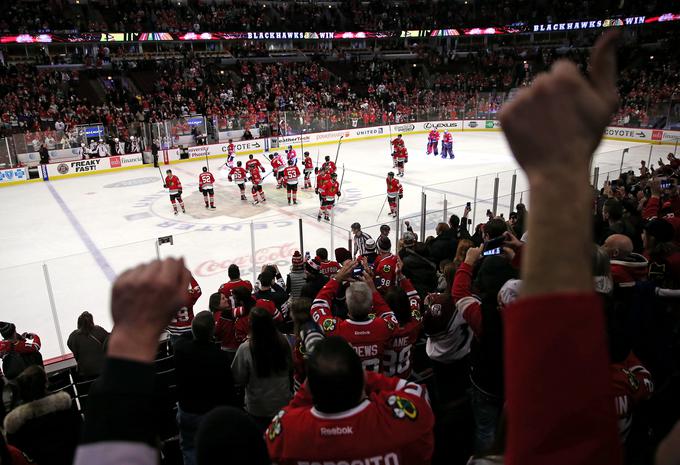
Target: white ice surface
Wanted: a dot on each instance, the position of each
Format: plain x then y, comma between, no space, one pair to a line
106,223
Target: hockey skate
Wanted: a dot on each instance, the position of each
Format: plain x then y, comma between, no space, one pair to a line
207,206
255,202
243,197
294,202
176,212
318,218
213,207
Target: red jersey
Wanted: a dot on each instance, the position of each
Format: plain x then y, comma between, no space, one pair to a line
400,153
227,288
206,180
329,190
255,177
368,338
253,164
292,154
329,167
309,165
329,268
399,354
433,136
173,184
385,271
396,418
447,137
181,323
291,174
398,142
631,384
238,174
394,188
231,149
27,343
321,180
277,164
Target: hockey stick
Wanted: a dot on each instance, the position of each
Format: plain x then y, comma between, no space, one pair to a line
161,173
342,178
337,152
206,161
302,143
381,209
317,159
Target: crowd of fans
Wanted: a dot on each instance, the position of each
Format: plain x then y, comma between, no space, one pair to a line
239,15
290,97
368,357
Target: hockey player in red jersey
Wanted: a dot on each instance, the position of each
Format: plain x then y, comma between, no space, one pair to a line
308,169
180,325
239,175
174,186
343,415
253,163
400,157
256,179
277,168
231,154
394,191
328,166
328,192
291,173
398,142
433,142
368,335
205,186
291,154
447,145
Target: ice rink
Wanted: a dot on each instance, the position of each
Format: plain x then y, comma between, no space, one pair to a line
77,234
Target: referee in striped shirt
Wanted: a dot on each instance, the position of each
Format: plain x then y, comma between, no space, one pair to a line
360,239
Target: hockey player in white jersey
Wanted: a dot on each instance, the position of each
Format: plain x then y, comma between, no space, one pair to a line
120,146
103,149
135,144
82,152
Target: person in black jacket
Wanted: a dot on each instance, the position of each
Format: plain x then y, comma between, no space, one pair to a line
204,381
269,290
44,155
88,344
417,265
45,427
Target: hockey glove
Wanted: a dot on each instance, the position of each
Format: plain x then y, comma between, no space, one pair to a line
401,196
164,186
179,192
229,178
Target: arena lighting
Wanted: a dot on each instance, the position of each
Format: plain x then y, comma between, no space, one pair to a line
516,28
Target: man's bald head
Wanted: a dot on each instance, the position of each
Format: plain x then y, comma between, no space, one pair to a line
618,246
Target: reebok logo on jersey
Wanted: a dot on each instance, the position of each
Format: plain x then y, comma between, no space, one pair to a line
337,431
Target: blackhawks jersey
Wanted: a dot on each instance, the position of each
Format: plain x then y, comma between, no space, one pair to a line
181,323
393,425
369,338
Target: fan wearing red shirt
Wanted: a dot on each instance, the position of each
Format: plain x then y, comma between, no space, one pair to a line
405,303
385,266
369,335
309,167
291,173
174,186
180,325
205,186
239,175
343,415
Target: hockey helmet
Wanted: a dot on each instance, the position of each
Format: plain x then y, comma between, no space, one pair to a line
205,168
390,174
334,175
327,158
291,162
306,154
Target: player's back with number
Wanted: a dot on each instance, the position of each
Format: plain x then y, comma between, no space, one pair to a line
291,174
385,271
206,180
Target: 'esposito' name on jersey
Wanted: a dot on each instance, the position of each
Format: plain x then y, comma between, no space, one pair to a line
388,459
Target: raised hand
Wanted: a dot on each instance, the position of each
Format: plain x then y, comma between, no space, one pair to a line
143,301
555,124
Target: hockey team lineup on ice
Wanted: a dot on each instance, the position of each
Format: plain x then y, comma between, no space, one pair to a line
94,227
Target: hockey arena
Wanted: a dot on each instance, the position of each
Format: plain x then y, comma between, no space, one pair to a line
358,232
94,227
